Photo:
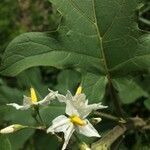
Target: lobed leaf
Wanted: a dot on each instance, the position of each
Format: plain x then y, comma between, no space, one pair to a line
89,37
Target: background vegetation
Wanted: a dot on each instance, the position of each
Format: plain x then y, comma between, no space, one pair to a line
20,16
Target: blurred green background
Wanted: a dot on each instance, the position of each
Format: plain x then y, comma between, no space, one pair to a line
19,16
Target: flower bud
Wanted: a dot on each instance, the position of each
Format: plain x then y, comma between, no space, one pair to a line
12,128
96,120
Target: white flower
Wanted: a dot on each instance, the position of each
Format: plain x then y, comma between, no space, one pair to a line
77,109
12,128
79,103
31,101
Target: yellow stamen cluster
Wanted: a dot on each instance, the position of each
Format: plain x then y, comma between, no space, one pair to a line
33,95
79,90
77,120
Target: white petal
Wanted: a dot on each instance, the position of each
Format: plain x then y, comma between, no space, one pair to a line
69,95
70,109
61,98
96,106
80,99
27,100
88,130
100,106
67,135
84,112
51,96
59,124
19,107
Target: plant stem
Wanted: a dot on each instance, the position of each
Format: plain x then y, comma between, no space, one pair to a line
38,113
107,116
114,97
117,131
38,128
37,121
109,138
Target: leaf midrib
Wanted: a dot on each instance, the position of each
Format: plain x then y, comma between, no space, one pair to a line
100,39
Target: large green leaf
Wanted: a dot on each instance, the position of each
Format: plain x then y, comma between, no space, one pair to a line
100,36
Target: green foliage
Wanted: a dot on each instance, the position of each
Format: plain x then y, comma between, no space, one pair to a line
94,43
74,45
94,86
68,79
4,143
147,103
7,22
129,91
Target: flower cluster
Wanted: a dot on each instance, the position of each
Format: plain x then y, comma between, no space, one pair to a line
75,118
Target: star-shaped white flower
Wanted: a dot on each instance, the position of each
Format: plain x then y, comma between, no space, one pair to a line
79,102
77,109
32,101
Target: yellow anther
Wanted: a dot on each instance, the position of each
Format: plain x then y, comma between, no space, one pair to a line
79,90
77,120
33,95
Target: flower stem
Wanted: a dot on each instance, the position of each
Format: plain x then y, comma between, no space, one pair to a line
38,113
